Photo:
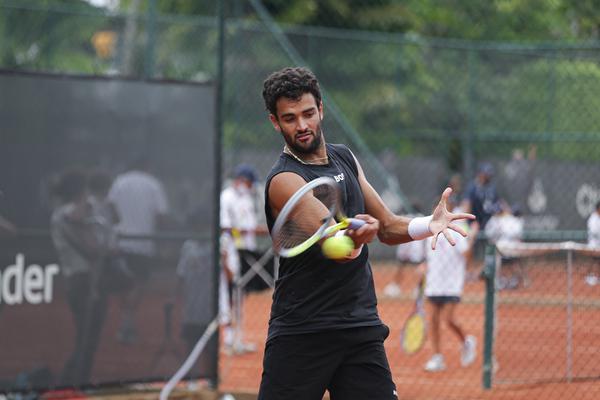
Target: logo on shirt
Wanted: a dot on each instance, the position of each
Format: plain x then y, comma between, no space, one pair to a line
339,178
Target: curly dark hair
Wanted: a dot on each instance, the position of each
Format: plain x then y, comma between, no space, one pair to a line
291,83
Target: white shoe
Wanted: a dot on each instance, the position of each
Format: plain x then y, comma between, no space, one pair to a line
469,351
591,280
392,290
435,363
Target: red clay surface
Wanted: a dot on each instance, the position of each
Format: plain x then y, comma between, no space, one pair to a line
531,343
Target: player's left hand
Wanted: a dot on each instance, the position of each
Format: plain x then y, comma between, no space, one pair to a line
442,220
366,233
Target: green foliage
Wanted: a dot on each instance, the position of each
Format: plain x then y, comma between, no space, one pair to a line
33,38
186,7
506,20
400,90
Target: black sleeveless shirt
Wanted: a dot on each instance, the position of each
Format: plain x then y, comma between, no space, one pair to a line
314,293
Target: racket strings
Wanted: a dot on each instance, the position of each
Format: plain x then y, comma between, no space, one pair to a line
306,217
414,334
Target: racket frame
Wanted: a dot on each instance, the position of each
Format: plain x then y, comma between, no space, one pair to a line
419,310
324,230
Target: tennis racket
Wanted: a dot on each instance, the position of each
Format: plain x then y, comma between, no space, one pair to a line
311,214
414,330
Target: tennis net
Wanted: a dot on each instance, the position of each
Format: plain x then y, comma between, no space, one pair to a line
545,313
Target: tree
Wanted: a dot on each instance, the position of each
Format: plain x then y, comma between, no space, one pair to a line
50,41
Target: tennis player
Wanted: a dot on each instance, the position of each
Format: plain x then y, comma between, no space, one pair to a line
444,283
324,330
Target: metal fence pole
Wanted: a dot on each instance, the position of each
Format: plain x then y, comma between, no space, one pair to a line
150,40
218,158
569,315
489,321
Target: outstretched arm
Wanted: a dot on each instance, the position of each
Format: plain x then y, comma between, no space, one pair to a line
395,229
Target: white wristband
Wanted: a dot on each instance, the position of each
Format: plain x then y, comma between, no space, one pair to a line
418,228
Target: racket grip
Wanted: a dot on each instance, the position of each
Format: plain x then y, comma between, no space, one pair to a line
355,223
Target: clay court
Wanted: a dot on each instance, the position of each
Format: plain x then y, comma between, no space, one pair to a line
530,348
531,344
424,94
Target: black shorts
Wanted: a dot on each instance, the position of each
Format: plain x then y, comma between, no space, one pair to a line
350,363
441,300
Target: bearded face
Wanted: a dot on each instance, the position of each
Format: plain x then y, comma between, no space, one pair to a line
299,122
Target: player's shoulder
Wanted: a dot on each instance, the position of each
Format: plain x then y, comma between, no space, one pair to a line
341,150
285,168
283,163
344,154
338,147
286,181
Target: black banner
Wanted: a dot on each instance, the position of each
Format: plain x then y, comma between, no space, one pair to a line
106,229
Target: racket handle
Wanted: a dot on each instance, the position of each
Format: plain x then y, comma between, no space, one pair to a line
355,223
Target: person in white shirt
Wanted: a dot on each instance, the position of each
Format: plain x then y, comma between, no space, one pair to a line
141,203
593,230
81,256
444,282
506,226
239,214
240,227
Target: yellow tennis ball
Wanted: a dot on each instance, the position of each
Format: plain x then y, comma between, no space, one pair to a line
337,247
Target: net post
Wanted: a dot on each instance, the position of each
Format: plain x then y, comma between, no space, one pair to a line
489,274
569,355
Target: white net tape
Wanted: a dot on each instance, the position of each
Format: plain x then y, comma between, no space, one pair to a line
520,249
